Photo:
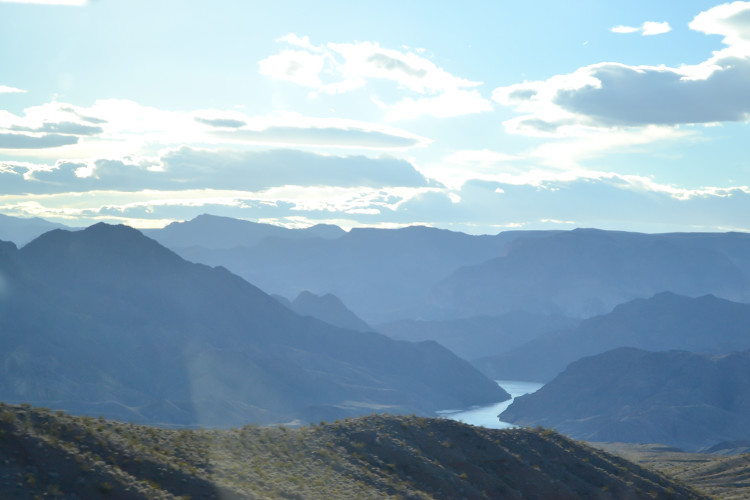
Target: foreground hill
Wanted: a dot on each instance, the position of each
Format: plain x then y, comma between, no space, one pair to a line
585,272
46,453
107,321
675,398
727,478
665,321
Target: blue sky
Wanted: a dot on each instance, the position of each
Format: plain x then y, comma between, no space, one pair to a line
480,117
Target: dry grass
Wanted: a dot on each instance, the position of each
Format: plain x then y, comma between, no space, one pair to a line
52,454
726,477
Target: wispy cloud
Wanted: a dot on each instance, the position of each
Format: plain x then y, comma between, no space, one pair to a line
4,89
120,127
648,28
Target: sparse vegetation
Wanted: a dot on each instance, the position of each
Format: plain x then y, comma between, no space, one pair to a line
50,453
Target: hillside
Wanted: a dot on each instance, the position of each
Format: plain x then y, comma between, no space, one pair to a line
328,308
106,321
665,321
674,398
380,274
53,454
727,478
479,336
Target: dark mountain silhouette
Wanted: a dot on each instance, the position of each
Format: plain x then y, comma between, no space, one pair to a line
472,338
107,321
674,398
328,308
663,322
21,230
214,232
381,274
586,272
51,454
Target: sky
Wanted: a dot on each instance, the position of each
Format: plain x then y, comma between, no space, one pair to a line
473,116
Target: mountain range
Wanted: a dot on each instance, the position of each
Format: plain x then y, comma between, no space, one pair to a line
663,322
214,232
22,230
107,321
444,275
676,398
587,272
381,274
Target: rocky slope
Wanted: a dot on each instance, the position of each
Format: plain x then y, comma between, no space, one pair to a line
52,454
675,398
587,272
107,321
665,321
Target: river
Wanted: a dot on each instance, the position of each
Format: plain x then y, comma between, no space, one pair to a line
486,416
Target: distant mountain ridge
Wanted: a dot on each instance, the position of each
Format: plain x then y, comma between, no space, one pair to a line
445,275
215,232
587,272
21,230
328,308
107,321
663,322
674,398
381,274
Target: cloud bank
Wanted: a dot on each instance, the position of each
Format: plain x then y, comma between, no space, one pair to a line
618,95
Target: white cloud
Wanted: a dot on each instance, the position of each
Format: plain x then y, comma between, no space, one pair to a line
654,28
4,89
600,198
569,153
52,125
338,68
303,41
609,94
412,71
117,128
144,205
351,64
461,166
646,29
453,102
298,130
731,20
298,66
188,168
624,29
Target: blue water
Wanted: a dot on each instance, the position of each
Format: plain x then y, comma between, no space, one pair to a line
486,416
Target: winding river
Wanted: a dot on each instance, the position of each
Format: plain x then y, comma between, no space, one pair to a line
486,416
